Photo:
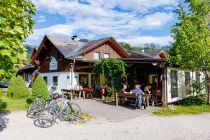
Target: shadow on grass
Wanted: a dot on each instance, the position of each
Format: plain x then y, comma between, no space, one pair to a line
3,115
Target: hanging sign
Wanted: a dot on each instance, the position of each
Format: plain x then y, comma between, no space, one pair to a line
53,64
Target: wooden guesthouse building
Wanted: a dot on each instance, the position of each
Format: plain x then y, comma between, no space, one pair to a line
69,62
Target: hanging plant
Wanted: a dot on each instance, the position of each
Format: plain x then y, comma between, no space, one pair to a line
112,69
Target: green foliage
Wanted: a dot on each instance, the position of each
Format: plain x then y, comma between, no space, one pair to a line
198,86
16,23
193,100
1,92
191,47
40,87
112,69
18,88
183,110
126,46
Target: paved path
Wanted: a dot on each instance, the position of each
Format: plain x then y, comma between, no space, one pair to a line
111,112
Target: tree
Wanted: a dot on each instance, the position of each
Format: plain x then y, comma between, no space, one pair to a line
112,69
18,88
16,23
126,46
40,87
191,47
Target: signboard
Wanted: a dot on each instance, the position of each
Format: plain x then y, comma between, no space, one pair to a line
53,64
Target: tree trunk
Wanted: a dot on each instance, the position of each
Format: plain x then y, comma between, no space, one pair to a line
208,85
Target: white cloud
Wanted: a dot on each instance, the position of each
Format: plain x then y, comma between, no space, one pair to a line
136,40
41,19
98,18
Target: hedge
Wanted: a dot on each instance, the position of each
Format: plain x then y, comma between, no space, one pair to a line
40,87
18,88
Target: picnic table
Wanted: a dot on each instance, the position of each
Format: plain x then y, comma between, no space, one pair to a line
130,97
73,92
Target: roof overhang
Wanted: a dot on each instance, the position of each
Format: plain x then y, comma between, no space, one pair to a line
144,60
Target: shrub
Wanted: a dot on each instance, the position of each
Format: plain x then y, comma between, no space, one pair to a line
18,88
1,92
40,87
193,100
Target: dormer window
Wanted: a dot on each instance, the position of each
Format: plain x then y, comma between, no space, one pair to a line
96,56
106,55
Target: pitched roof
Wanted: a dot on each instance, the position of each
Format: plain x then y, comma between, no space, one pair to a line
73,48
146,53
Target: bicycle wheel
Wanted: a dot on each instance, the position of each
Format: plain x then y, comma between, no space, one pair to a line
46,118
32,112
75,109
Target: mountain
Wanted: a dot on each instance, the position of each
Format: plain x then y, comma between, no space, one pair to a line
29,48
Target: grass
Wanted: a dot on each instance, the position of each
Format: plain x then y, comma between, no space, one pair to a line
10,104
183,110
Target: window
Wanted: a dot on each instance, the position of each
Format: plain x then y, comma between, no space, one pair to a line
55,79
83,80
187,83
45,78
197,75
174,84
106,55
96,56
95,80
26,77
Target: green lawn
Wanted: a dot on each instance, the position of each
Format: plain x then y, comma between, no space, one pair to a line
183,110
9,104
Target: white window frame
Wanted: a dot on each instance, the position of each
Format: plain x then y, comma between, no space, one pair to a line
94,56
106,54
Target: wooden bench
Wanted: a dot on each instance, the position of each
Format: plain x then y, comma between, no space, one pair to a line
130,98
125,97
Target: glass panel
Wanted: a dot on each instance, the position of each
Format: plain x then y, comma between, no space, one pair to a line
83,80
45,78
95,81
106,55
174,84
96,56
55,79
197,77
187,83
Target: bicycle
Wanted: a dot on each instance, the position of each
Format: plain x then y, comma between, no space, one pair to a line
62,109
36,107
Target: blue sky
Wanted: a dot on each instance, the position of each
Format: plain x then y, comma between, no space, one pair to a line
132,21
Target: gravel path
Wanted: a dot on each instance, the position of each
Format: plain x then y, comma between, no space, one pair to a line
111,112
145,127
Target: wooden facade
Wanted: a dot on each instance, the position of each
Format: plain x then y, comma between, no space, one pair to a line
47,50
103,49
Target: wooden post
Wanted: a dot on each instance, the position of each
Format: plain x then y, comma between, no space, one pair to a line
164,87
116,99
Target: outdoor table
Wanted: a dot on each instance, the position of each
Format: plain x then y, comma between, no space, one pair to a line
71,92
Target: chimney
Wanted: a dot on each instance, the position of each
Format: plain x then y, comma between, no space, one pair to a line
74,37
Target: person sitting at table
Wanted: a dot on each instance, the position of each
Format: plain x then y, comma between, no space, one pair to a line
147,89
77,86
126,89
139,97
104,92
